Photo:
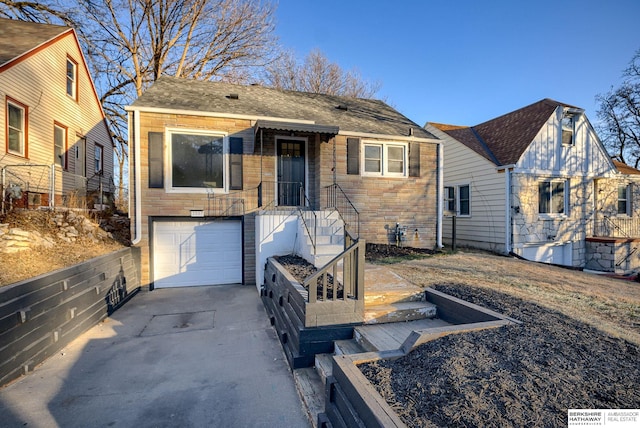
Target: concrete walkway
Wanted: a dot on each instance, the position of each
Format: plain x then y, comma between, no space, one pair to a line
189,357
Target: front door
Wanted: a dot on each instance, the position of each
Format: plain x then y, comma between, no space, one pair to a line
291,168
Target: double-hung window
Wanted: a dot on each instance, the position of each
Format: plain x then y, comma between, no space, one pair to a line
72,78
624,201
457,199
16,128
60,145
385,159
98,158
552,197
568,129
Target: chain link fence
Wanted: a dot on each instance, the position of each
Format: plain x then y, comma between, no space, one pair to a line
35,186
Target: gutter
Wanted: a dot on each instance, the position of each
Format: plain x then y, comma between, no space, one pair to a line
440,193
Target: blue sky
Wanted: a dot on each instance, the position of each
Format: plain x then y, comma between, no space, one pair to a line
464,62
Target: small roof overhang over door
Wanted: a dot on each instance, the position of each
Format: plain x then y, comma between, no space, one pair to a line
295,127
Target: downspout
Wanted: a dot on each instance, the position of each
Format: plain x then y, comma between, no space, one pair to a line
507,212
138,187
440,193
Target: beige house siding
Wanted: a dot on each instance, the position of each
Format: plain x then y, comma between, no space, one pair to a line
39,82
159,203
383,202
485,227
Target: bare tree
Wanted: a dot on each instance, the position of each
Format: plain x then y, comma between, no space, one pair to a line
131,43
619,113
316,74
45,11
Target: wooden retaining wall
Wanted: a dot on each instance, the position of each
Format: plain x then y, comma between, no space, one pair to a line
40,316
287,309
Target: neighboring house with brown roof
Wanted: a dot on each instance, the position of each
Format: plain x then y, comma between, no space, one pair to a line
536,182
56,146
223,176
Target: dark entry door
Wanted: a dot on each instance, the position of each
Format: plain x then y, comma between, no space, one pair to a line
291,172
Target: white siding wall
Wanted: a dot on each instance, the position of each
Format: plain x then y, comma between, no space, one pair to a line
39,82
547,155
485,228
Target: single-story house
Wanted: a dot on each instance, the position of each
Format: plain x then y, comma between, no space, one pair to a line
224,176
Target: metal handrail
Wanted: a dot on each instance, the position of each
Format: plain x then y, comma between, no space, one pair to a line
349,214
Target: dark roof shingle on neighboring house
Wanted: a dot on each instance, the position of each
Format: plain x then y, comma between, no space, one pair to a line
19,37
504,139
349,114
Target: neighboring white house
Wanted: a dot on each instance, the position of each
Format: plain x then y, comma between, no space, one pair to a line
529,182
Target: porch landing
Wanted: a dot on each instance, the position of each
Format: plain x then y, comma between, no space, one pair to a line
389,298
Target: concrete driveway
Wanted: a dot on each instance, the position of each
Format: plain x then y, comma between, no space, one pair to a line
188,357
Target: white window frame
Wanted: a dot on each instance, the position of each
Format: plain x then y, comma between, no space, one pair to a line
564,128
627,200
23,146
455,200
98,158
384,164
72,80
169,162
63,149
565,190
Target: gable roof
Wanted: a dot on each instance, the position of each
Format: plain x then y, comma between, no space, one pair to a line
504,139
17,38
348,114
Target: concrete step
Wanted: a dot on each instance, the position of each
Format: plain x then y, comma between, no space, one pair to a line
329,249
399,312
377,296
327,240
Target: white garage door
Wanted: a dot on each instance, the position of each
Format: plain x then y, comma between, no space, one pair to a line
549,253
190,253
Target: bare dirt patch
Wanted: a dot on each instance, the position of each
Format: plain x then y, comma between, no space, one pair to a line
578,347
39,260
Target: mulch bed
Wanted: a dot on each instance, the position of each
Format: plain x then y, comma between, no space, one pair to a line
379,252
517,375
302,269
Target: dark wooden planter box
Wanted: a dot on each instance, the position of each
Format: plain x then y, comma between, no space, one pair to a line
302,326
40,316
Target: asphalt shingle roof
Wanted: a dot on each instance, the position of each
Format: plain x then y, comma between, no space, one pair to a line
361,115
504,139
625,169
19,37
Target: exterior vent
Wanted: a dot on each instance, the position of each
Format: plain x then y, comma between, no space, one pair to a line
233,96
343,107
